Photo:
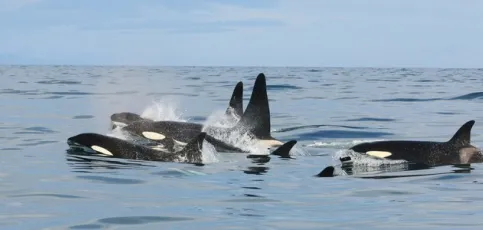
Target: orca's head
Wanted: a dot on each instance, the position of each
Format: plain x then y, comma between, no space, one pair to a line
93,143
85,140
124,119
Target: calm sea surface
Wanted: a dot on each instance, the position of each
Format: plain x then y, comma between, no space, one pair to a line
326,109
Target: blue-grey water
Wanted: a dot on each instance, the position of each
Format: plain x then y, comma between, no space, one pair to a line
326,109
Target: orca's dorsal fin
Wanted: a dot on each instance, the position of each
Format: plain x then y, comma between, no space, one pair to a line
256,118
462,137
284,150
327,172
192,150
236,101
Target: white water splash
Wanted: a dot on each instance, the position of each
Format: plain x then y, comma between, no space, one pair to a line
118,133
219,119
162,109
244,141
209,153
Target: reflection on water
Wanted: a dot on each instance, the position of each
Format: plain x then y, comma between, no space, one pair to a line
257,170
80,163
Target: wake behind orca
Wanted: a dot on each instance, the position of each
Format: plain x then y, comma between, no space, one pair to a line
255,121
119,148
458,150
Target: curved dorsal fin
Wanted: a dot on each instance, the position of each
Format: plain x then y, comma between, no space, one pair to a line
284,150
463,135
236,101
327,172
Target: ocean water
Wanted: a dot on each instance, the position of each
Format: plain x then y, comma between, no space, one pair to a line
326,110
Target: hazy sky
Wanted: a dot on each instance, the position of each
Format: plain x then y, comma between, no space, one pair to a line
374,33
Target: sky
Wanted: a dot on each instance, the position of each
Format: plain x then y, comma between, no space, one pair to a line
311,33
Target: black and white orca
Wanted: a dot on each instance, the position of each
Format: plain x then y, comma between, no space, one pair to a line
255,121
458,150
233,112
119,148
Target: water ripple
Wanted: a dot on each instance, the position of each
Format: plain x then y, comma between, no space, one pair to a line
82,117
317,135
129,220
36,130
282,87
59,82
36,143
87,226
20,92
112,180
408,100
470,96
314,126
371,119
49,195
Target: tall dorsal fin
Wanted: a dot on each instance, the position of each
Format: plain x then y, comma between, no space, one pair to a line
284,150
463,135
236,101
256,118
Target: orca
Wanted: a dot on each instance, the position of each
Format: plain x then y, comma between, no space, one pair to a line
119,148
233,112
255,121
458,150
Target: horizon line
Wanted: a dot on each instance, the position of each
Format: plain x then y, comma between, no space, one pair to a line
240,66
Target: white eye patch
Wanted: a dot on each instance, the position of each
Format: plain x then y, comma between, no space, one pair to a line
154,135
379,154
101,150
